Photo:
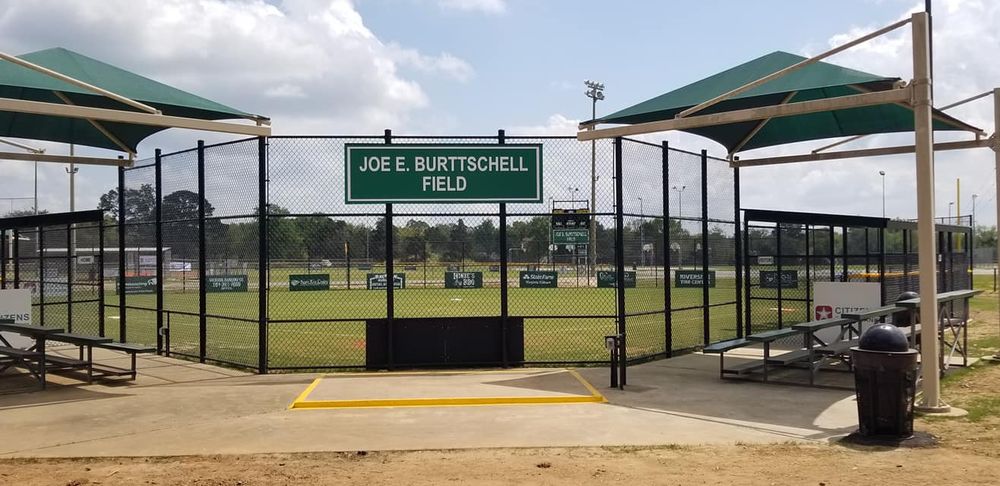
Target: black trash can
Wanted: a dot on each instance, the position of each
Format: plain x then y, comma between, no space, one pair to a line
885,380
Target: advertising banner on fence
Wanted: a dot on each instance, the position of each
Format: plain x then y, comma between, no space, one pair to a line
226,283
831,299
147,260
608,279
769,279
376,281
179,266
314,281
463,280
574,236
465,173
139,285
16,304
539,279
693,278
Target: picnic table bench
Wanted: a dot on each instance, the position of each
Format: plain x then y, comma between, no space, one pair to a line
33,358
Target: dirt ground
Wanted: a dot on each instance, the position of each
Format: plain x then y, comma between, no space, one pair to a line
968,453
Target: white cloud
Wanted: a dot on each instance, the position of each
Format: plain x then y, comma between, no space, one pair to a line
557,124
313,66
485,6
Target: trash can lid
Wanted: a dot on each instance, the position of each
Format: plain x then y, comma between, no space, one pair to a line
884,337
908,295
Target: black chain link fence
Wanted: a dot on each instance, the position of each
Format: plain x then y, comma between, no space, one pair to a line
246,253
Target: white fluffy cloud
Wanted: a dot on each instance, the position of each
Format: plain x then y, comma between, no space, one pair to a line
485,6
311,65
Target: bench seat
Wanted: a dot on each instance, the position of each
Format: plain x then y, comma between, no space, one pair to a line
788,358
724,346
19,353
127,347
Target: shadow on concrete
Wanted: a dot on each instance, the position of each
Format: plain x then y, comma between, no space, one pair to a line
690,386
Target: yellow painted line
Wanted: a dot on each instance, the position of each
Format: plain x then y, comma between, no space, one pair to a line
586,384
375,374
305,393
444,402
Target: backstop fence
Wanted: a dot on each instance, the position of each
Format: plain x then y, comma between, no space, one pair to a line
246,253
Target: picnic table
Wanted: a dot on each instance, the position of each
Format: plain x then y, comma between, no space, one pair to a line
948,323
33,358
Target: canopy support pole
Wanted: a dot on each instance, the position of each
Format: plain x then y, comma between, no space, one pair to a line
924,143
996,158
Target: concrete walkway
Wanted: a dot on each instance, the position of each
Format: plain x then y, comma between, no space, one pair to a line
177,407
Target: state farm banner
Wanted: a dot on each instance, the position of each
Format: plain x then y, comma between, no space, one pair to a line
832,299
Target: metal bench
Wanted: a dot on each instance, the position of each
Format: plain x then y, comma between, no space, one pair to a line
722,347
768,337
127,348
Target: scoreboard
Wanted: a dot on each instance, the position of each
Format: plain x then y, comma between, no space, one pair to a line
570,226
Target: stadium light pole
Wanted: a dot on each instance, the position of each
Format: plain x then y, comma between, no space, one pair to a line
950,204
595,91
882,173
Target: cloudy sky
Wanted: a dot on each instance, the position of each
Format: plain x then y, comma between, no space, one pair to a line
472,66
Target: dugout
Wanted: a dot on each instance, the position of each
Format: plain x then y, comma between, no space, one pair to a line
786,253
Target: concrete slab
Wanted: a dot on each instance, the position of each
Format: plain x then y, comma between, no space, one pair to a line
192,409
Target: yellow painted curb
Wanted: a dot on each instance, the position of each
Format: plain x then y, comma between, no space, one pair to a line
302,402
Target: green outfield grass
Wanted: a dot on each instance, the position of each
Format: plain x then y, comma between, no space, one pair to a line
548,337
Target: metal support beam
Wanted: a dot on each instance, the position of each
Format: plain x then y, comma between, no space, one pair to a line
900,95
135,118
76,82
64,159
789,69
851,154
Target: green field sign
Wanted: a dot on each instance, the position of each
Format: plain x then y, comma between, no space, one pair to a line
139,285
315,281
463,280
376,281
226,283
693,278
450,173
537,279
574,236
608,279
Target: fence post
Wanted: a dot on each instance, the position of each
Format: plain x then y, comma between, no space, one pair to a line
16,256
390,274
778,260
502,139
41,275
881,265
668,321
263,257
738,252
100,276
158,214
748,304
620,262
3,258
706,318
202,260
70,248
122,312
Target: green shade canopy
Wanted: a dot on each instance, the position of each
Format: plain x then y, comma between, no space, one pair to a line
22,83
812,82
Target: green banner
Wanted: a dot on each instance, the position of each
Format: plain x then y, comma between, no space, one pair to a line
575,236
376,281
693,278
608,279
539,279
459,173
463,280
137,285
314,281
226,283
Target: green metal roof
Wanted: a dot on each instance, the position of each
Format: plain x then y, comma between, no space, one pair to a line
18,82
815,81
